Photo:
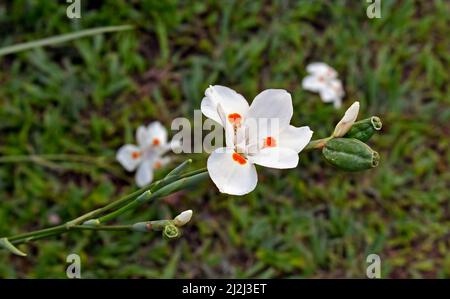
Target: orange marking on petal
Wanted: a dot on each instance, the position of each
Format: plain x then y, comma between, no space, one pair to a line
270,142
156,141
235,119
135,155
157,165
239,159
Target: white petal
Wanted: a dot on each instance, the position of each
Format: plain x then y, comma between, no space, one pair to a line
143,137
174,145
183,218
230,100
157,134
329,95
336,84
276,157
337,103
144,174
274,104
347,121
230,176
295,138
129,156
161,162
313,83
321,69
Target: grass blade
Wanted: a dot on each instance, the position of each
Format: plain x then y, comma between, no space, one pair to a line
61,38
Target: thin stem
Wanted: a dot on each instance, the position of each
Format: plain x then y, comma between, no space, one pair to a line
52,157
103,227
316,144
166,190
173,182
63,228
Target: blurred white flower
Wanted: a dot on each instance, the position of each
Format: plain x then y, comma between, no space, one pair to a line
232,167
183,218
323,79
345,124
148,154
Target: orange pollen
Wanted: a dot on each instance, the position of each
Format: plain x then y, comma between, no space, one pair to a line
157,165
239,158
270,142
156,141
135,155
235,118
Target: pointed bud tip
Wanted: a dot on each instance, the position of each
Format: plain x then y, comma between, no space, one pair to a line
183,218
347,120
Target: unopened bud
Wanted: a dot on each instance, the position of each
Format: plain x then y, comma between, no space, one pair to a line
183,218
364,129
92,222
171,231
350,154
347,121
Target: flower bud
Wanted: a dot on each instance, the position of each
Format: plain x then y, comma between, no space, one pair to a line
183,218
350,154
364,129
171,231
92,222
347,121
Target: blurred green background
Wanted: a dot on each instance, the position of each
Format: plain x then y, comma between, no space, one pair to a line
88,96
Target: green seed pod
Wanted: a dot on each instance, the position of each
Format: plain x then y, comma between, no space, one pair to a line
364,129
171,231
350,154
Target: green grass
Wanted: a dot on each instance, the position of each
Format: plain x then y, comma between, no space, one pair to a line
88,96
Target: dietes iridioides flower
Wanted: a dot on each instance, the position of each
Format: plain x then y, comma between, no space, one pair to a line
147,155
250,139
323,79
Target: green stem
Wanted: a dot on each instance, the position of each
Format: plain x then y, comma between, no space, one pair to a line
146,197
317,144
171,183
167,185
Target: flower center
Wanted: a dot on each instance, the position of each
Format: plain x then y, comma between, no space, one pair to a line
135,155
269,142
156,141
239,158
321,78
235,119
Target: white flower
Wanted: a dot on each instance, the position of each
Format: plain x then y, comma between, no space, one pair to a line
183,218
147,155
249,138
323,79
345,124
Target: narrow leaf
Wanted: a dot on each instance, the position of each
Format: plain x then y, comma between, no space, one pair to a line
4,242
60,39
